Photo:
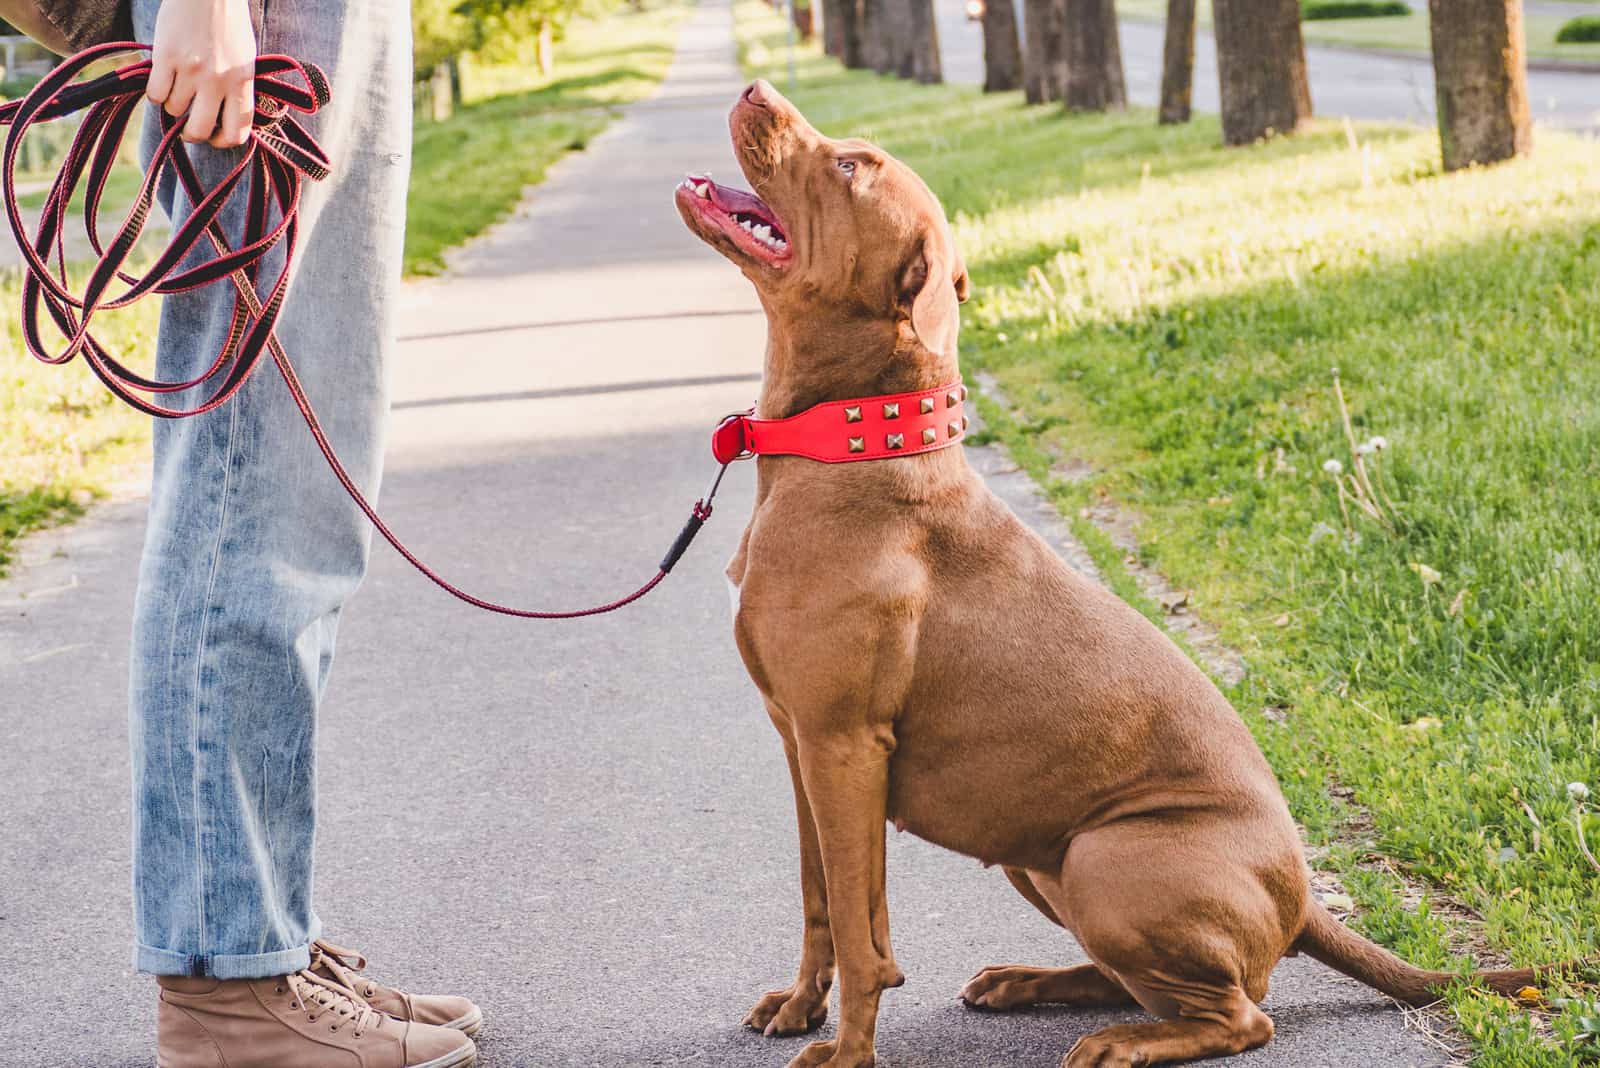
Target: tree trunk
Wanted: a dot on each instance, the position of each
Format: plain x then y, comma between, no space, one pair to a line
1002,50
833,27
1261,65
842,27
1094,57
1044,60
546,47
1177,63
926,65
1480,77
804,21
877,51
900,24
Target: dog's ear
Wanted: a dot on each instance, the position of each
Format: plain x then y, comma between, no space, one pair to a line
931,286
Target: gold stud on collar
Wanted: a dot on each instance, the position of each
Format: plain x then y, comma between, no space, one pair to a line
929,435
953,429
891,411
952,399
895,441
963,422
858,444
853,414
927,405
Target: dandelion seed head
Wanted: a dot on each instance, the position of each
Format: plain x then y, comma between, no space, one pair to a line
1366,448
1379,442
1333,467
1577,791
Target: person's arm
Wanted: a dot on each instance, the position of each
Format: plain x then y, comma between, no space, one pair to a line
203,63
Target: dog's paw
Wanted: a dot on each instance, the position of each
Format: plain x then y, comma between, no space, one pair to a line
1001,989
1098,1051
828,1055
793,1011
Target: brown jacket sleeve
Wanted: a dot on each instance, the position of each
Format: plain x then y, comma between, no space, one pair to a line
66,26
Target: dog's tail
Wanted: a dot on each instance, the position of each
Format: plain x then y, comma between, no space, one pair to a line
1326,939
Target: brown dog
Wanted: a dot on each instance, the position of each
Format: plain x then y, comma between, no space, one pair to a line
929,660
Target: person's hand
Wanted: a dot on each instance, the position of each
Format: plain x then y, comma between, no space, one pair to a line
203,63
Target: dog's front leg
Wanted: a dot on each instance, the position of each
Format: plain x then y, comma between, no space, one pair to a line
801,1008
845,772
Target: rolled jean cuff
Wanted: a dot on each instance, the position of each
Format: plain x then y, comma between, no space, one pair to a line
230,966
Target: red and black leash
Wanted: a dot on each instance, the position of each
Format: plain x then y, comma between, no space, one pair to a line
271,167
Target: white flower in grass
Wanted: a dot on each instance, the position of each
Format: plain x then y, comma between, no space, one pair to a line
1366,448
1577,791
1333,467
1379,442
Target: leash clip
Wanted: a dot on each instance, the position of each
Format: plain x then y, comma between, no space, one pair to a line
730,442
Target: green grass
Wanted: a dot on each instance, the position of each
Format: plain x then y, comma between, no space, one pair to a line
1407,33
471,170
62,436
1172,311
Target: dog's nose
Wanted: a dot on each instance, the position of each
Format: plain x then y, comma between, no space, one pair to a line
758,94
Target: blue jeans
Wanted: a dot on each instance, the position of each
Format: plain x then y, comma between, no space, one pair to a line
252,547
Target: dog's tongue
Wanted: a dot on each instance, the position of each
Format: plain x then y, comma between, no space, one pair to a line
737,201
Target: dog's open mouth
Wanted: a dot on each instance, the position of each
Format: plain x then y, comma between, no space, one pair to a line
743,217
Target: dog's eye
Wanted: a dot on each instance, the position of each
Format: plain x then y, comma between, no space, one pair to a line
848,166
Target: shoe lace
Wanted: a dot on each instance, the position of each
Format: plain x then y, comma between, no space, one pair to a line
317,996
341,966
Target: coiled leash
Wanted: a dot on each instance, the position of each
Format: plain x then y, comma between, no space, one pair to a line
277,158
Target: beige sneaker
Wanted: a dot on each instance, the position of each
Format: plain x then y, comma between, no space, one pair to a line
293,1021
343,966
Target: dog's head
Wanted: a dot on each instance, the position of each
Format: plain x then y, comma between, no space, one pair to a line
835,231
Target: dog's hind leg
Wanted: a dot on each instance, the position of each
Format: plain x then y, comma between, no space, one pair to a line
1193,936
1012,986
802,1007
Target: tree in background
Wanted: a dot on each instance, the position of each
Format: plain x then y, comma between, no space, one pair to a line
1480,76
842,35
1177,63
1261,65
441,33
1002,48
926,66
1044,58
1094,57
877,50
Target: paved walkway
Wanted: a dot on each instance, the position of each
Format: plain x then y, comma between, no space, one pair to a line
1344,81
587,826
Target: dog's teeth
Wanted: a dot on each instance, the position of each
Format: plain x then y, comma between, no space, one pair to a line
704,190
764,232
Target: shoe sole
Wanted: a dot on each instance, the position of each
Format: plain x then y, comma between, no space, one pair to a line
461,1058
469,1025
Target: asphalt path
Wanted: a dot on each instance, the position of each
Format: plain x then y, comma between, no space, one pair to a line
585,826
1344,81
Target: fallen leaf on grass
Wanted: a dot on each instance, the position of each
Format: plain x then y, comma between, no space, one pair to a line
1342,902
1282,621
1455,605
1174,603
1423,723
1428,575
1530,995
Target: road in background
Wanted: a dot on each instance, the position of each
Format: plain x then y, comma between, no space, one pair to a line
1344,81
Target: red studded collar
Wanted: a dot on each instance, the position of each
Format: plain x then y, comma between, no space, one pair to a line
864,428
